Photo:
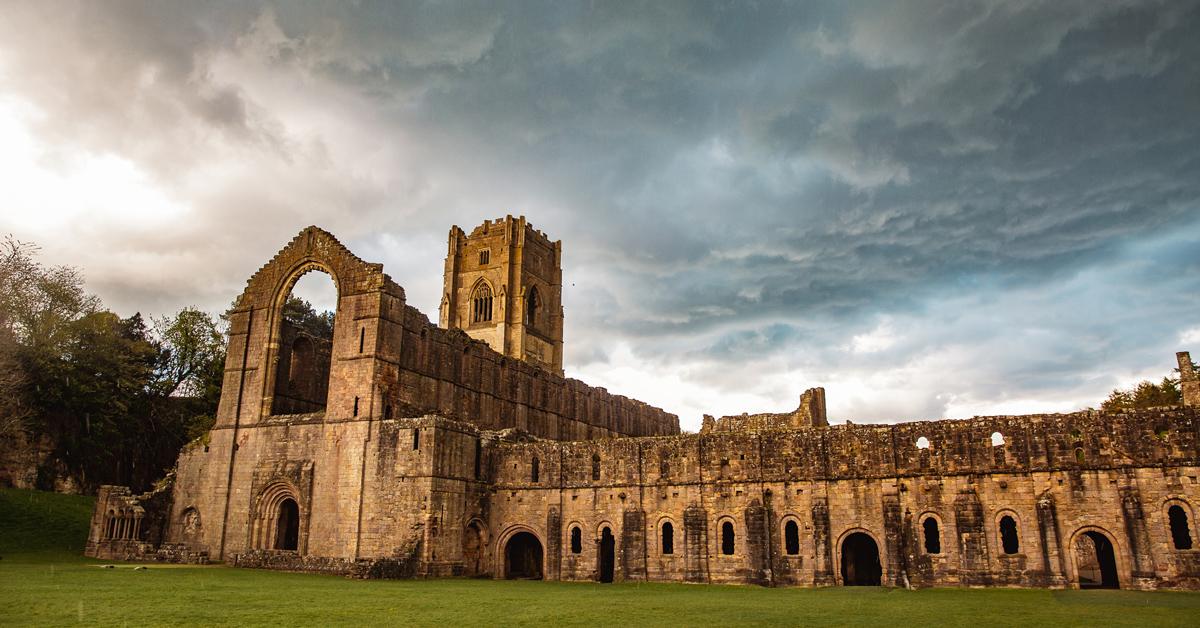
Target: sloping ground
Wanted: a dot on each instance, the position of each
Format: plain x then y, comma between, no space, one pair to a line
45,582
36,525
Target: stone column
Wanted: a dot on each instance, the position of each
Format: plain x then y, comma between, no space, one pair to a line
1189,383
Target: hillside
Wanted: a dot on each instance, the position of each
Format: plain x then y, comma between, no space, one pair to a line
39,524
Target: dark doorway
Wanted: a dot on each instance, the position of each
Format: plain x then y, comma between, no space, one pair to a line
607,554
287,526
523,557
1096,562
860,561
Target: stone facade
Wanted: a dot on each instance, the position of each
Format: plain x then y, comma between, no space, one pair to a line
436,455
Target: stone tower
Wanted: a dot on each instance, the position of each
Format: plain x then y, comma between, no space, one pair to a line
1189,383
503,285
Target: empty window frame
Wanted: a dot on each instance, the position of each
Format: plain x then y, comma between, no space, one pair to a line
1009,541
791,538
727,538
481,303
576,540
933,535
1181,533
668,538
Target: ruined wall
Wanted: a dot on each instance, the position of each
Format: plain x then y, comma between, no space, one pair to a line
1056,476
810,413
1189,381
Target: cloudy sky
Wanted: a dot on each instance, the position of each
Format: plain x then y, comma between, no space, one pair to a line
930,209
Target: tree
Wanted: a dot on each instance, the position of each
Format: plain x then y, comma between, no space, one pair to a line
1146,394
301,313
13,410
191,367
115,397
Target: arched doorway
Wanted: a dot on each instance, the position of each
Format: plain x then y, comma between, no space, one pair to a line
287,526
860,561
607,555
1096,561
523,557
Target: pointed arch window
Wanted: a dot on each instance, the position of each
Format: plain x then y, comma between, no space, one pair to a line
481,303
532,303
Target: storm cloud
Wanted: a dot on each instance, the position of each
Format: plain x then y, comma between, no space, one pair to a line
931,209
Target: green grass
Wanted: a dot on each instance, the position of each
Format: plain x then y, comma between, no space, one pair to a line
43,581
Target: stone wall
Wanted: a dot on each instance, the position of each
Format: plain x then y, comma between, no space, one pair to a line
810,413
1056,476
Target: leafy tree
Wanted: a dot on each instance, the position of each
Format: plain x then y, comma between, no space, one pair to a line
301,313
116,397
191,367
13,410
1146,394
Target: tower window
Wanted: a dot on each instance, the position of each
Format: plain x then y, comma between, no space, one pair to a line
481,303
534,470
485,257
595,467
532,303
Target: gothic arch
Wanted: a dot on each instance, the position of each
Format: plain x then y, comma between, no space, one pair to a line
256,317
482,301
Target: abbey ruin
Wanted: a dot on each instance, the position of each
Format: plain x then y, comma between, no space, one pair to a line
400,448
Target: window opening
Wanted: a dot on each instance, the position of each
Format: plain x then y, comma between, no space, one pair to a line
1008,535
595,467
791,538
481,303
534,471
416,439
933,536
576,540
531,306
1181,534
727,540
668,538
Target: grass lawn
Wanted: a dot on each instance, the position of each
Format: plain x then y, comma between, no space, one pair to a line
44,581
